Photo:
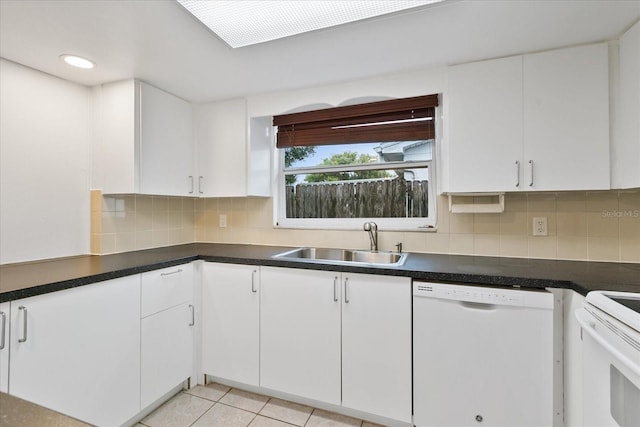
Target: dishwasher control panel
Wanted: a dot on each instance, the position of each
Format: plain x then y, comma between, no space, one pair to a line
483,295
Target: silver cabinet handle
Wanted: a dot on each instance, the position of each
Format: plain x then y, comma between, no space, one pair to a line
253,281
193,315
171,273
191,178
335,289
200,184
2,331
517,173
531,180
346,290
23,309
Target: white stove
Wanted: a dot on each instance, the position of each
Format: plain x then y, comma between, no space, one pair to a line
623,306
610,333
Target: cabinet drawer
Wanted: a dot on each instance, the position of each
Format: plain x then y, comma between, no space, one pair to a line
165,288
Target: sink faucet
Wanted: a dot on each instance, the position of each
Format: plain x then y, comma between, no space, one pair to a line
372,228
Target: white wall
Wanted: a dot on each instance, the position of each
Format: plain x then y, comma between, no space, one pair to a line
415,83
44,165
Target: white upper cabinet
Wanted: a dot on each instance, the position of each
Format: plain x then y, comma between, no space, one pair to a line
230,162
566,119
144,143
166,143
536,122
625,151
485,125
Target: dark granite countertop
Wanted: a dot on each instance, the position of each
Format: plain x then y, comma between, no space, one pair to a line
33,278
15,412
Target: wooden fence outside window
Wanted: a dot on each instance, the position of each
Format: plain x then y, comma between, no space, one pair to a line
380,198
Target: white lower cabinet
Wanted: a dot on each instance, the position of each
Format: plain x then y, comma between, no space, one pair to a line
104,352
376,345
166,351
166,331
5,317
300,333
77,351
231,322
343,339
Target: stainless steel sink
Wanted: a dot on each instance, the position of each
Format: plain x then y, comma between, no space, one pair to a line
344,256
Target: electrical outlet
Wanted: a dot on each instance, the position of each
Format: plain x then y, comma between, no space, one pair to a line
540,226
223,220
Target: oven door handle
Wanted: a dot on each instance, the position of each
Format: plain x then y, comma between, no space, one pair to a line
588,325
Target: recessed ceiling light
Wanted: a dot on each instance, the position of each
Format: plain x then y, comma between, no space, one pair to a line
77,61
243,23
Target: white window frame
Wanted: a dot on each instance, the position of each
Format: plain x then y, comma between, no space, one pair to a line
395,224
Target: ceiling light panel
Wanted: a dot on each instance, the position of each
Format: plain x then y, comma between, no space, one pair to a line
242,23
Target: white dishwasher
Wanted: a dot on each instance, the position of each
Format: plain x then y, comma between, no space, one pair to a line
483,356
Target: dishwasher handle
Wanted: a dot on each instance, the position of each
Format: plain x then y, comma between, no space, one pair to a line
483,306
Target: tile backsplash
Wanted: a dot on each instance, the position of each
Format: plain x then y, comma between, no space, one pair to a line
595,226
121,223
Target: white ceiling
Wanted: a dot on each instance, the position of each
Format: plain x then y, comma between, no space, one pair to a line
159,42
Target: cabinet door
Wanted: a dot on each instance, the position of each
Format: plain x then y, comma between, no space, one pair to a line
376,345
300,333
626,144
566,119
484,118
115,149
166,351
5,318
222,149
231,322
259,157
166,143
78,351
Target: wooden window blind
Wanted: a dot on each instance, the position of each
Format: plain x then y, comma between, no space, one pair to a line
406,119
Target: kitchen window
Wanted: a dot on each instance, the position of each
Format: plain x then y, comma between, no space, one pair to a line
342,166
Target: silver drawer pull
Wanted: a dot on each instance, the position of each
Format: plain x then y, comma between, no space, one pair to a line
193,315
335,289
517,173
2,330
531,180
346,290
23,309
253,281
191,178
171,272
200,185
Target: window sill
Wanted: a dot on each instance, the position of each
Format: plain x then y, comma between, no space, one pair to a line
352,227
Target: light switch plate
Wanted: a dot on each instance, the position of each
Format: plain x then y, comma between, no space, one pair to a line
223,220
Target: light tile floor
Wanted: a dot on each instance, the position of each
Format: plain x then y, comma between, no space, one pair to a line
218,405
